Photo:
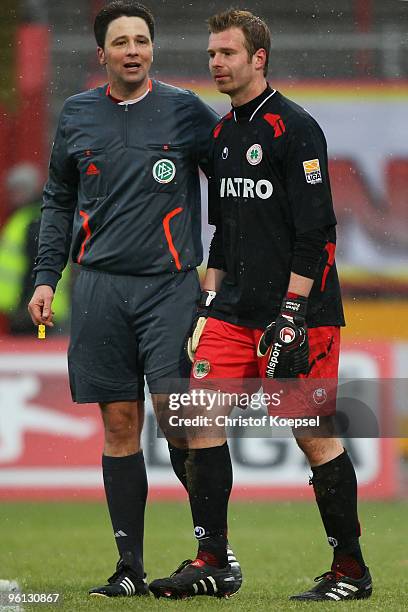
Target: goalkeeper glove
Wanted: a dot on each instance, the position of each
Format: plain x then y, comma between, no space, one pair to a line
286,340
200,319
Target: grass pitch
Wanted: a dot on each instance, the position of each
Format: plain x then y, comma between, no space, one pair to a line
67,548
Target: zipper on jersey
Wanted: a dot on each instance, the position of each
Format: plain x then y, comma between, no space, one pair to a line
125,139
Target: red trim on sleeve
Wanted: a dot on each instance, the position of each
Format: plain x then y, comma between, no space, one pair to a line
220,125
276,122
331,250
87,230
169,238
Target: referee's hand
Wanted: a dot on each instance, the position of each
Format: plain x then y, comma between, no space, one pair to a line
40,306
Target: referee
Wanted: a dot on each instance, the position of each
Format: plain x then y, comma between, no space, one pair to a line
271,283
123,193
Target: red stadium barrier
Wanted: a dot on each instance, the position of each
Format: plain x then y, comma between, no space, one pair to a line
30,139
24,127
356,201
50,448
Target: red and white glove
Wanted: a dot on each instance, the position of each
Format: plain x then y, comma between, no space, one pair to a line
285,341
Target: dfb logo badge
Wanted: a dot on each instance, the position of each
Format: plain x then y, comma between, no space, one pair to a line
225,152
164,171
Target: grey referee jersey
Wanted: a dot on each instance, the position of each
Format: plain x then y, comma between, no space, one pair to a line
123,187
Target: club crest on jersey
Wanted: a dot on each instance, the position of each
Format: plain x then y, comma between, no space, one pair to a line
164,171
224,153
312,171
254,154
201,368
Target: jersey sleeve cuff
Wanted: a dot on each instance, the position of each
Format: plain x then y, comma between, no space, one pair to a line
304,267
47,277
216,262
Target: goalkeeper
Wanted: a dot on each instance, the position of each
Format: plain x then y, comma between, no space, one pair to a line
271,306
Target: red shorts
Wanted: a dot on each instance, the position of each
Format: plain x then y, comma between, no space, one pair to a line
227,357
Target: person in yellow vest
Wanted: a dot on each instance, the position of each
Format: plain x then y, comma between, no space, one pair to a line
18,249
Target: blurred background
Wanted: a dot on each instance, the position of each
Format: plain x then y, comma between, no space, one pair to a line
347,63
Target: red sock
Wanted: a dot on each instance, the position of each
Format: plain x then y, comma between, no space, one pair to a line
208,558
347,565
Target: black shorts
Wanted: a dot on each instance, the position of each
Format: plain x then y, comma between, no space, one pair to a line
126,327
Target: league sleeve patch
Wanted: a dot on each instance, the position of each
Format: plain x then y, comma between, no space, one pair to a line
312,171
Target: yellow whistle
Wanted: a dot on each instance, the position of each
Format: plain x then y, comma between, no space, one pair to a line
41,332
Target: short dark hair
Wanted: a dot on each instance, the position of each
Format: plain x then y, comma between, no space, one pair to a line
256,33
120,8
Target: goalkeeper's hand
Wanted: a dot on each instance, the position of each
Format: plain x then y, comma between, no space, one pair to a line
285,341
200,319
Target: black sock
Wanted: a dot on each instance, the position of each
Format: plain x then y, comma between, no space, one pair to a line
178,457
209,479
335,487
126,492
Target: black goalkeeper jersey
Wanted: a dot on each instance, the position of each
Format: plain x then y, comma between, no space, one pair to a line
269,185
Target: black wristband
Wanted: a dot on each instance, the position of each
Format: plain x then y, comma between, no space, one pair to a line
294,307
